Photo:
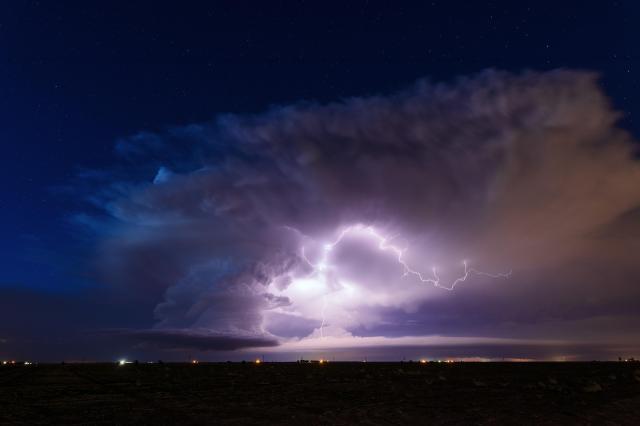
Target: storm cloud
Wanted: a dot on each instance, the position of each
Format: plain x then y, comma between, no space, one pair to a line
194,339
523,172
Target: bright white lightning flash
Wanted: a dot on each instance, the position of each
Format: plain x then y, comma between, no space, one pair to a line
384,244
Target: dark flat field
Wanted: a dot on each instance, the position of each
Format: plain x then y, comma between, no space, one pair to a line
334,393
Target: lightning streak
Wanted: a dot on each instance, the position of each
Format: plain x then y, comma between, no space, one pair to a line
384,244
324,308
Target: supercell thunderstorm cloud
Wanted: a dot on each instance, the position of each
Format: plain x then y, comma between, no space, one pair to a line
350,223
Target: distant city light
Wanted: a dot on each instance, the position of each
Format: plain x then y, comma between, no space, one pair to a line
423,361
122,362
258,361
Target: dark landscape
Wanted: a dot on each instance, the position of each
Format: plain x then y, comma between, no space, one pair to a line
330,393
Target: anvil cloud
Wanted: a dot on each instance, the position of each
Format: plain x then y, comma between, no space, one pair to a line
524,172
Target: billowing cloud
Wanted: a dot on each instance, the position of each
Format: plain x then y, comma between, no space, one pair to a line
231,221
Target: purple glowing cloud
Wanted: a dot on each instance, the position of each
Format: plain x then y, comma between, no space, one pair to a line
494,173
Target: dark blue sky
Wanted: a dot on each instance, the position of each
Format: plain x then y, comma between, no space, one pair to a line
75,77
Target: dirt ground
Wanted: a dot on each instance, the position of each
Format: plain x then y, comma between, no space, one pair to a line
331,393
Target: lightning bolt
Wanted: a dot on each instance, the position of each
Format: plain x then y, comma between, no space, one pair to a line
324,308
384,244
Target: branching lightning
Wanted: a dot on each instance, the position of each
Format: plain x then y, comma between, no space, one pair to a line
384,243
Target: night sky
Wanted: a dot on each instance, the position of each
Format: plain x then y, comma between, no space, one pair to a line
364,179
